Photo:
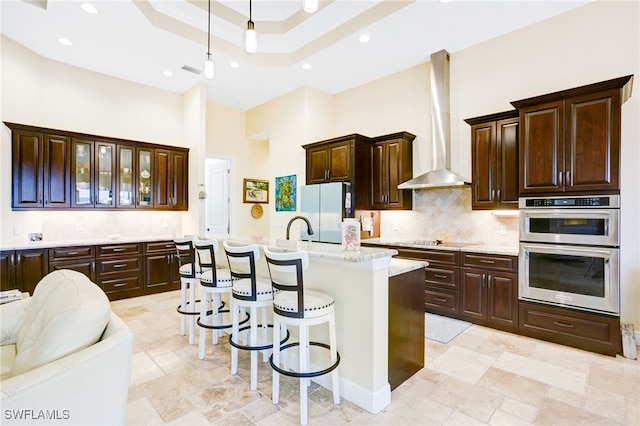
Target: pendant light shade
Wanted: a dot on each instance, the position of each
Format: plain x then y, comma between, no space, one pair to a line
310,6
250,36
209,66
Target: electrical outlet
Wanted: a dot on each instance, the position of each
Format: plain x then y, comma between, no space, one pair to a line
78,227
17,230
503,229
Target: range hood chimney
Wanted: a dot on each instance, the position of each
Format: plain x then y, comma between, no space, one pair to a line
441,175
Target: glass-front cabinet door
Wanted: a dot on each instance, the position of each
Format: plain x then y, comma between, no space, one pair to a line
105,177
125,182
82,175
145,174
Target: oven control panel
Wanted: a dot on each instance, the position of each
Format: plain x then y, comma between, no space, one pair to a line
606,201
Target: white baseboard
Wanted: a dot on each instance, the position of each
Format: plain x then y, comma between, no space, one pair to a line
372,401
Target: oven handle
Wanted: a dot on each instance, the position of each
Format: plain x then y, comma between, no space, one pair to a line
563,249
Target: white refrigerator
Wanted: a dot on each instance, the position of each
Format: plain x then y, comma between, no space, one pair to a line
325,205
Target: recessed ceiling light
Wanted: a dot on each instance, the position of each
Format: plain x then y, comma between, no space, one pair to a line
234,64
306,66
64,41
167,73
364,38
445,1
89,8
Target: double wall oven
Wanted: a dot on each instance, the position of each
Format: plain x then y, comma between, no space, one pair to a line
569,252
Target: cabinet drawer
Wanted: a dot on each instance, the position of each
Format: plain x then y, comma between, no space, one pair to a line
67,253
488,261
119,284
160,246
445,257
442,277
592,332
120,266
441,300
118,250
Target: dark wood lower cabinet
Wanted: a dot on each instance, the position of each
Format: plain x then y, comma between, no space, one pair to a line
23,269
160,267
489,297
406,326
76,258
119,270
584,330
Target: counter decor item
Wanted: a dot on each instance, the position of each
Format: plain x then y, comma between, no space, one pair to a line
286,193
255,191
351,235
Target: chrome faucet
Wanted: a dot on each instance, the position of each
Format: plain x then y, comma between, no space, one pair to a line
309,229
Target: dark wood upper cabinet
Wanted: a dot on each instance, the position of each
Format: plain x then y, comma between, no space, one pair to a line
332,160
570,140
374,167
61,169
494,160
41,170
391,164
171,184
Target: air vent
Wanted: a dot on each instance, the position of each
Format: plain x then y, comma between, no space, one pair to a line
191,69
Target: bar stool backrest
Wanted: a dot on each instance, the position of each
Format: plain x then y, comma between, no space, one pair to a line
206,255
186,255
286,273
242,265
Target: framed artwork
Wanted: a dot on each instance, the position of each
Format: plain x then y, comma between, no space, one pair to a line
286,193
255,191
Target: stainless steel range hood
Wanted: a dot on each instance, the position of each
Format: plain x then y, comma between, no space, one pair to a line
441,175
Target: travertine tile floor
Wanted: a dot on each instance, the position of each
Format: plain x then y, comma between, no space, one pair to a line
483,376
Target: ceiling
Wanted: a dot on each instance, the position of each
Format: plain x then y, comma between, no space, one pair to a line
138,40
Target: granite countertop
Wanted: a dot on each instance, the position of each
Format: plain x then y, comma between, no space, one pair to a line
470,247
318,250
401,266
114,239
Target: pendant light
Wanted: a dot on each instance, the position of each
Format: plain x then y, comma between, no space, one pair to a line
310,6
209,66
250,36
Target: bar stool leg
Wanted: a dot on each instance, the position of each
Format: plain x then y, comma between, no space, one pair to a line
183,306
234,333
253,341
304,360
334,358
192,325
275,388
216,318
265,329
203,331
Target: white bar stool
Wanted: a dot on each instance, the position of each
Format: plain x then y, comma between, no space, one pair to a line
248,292
293,305
189,280
214,283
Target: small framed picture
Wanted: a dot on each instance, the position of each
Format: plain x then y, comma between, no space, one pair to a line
255,191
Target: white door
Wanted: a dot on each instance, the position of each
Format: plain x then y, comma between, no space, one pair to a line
218,203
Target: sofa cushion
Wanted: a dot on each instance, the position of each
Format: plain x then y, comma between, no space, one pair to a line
7,358
66,313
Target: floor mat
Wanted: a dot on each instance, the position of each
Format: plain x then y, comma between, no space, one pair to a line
443,329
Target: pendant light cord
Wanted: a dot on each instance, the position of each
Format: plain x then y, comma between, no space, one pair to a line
209,31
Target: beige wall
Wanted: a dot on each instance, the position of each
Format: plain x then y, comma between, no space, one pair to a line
592,43
595,42
46,93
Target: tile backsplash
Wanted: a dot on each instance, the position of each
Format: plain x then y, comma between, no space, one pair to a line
445,214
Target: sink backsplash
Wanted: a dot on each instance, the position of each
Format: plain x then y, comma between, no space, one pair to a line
445,214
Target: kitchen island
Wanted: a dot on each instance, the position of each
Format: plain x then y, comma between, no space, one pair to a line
360,283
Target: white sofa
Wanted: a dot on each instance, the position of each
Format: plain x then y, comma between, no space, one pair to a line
65,357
